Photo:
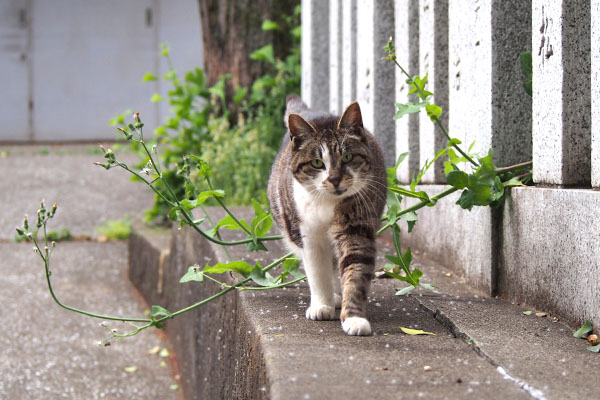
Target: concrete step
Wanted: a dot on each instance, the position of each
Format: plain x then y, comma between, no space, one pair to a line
257,344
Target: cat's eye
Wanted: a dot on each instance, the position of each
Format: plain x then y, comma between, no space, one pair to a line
316,163
346,158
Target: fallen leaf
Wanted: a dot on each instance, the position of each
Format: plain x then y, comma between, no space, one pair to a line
541,314
585,329
131,369
381,368
164,352
528,312
427,368
594,349
416,331
279,335
174,386
448,274
154,350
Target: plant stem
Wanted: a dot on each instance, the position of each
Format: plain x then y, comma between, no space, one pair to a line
224,291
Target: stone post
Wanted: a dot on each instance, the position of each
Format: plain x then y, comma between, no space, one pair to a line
375,76
315,54
561,92
406,19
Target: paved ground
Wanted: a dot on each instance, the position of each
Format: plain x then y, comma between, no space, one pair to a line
47,352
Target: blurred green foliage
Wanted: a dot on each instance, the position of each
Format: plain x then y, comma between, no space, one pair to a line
237,133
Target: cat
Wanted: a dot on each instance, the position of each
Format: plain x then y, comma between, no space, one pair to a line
327,191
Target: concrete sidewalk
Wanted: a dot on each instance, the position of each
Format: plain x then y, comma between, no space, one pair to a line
47,352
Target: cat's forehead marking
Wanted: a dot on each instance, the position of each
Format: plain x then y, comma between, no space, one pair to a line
326,156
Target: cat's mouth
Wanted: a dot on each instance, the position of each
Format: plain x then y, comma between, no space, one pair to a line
338,192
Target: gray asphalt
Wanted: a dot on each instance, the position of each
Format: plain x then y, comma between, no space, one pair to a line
47,352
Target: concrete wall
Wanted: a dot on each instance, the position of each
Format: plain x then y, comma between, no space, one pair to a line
68,66
470,50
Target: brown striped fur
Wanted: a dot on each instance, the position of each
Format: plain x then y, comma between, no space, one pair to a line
352,182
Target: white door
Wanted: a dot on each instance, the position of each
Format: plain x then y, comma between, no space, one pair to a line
89,58
15,122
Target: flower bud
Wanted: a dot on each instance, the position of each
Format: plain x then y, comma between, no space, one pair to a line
25,223
54,206
136,116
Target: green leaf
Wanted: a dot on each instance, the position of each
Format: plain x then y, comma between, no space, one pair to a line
585,328
457,179
433,112
228,223
149,77
156,98
291,265
256,246
269,25
405,291
297,32
164,49
408,108
427,286
411,219
264,54
527,68
453,141
528,312
240,93
391,172
395,259
194,274
240,267
408,193
261,277
419,83
202,197
594,349
158,311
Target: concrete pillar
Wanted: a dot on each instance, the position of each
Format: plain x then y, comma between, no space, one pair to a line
406,20
561,92
595,61
375,76
335,57
348,52
488,103
315,54
433,61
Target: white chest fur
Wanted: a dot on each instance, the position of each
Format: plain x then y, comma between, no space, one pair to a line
316,212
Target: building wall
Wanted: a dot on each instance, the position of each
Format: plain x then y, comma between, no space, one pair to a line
68,66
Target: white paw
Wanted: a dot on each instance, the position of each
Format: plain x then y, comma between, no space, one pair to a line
320,312
356,326
337,299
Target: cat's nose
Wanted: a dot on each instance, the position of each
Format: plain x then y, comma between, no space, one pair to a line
335,180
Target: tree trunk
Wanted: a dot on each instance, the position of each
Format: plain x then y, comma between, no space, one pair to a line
231,30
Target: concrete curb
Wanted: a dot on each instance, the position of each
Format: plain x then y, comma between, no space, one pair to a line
258,344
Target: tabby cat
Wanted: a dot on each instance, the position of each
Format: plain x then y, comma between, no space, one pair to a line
327,191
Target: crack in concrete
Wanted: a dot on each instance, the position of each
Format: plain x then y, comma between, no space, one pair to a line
442,318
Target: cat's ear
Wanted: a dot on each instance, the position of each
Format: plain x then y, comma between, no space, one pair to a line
351,118
299,126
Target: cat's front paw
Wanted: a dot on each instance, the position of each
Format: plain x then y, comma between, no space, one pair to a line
320,312
356,326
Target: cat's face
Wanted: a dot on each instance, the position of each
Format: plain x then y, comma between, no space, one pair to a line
330,158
